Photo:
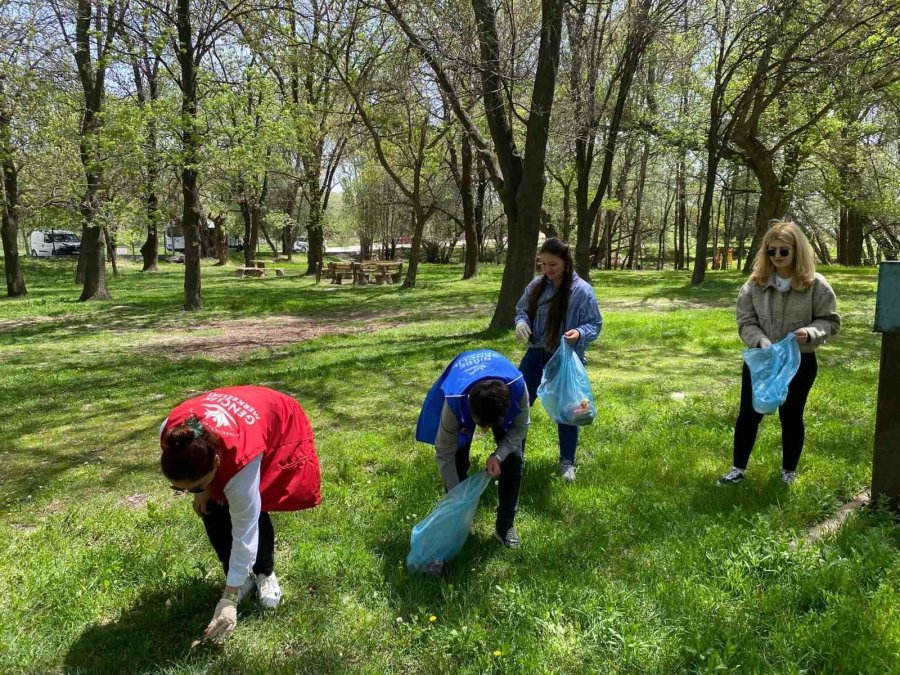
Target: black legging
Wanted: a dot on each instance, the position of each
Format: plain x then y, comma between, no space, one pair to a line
218,528
793,430
510,481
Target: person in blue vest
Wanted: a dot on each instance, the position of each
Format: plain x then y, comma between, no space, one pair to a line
483,389
557,305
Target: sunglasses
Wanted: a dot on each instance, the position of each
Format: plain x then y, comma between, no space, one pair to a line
194,490
783,252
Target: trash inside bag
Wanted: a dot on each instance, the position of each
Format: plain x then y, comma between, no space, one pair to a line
442,533
771,371
565,390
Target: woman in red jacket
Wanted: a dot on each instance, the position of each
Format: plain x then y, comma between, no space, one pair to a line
242,452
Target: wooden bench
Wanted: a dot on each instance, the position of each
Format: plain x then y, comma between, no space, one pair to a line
392,271
339,271
377,272
257,272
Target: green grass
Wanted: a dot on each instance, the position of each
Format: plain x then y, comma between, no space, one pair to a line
642,566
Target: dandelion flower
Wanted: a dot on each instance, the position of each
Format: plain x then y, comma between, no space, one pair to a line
498,653
432,618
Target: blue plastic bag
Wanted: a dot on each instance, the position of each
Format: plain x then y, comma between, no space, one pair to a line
565,389
771,371
442,533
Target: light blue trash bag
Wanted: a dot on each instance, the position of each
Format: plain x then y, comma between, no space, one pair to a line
442,533
565,389
771,371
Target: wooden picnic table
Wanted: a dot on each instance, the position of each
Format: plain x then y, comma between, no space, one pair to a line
377,272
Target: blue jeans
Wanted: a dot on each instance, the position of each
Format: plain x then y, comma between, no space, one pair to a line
532,367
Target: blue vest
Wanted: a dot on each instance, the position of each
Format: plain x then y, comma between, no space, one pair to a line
453,386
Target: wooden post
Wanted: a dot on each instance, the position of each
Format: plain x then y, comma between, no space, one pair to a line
886,460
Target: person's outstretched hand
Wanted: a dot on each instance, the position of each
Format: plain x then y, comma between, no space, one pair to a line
223,623
523,332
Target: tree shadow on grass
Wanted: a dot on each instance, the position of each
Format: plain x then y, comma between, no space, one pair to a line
156,631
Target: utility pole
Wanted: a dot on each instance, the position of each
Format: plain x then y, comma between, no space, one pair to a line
886,460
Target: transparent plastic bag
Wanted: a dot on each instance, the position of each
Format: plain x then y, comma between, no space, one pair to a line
565,390
771,371
442,533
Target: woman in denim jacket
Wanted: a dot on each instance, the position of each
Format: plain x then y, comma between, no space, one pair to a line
784,295
556,305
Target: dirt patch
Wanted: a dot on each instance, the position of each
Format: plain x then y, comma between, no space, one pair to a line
664,304
22,322
136,501
226,340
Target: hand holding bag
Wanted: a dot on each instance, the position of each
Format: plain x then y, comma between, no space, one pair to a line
565,390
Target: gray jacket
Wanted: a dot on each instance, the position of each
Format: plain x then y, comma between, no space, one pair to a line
445,445
764,311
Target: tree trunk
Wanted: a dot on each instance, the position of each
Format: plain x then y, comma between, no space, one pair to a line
268,239
635,243
523,178
316,237
249,214
221,239
856,222
481,185
769,207
93,247
9,218
661,256
190,224
680,212
111,250
412,267
821,248
470,267
190,141
636,44
709,193
150,248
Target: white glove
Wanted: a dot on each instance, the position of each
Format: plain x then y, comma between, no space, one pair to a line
223,622
764,343
523,332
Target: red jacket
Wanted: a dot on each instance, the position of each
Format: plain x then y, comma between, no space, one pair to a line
253,420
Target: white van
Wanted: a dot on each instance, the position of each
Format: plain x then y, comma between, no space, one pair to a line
172,243
45,243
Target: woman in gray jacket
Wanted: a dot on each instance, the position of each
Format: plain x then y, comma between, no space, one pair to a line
784,295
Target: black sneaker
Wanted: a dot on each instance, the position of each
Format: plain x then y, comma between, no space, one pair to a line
510,539
731,478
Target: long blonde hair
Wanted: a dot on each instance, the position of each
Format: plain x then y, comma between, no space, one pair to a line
804,258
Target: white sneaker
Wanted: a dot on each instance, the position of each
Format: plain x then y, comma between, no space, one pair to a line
733,477
567,471
269,590
788,477
247,588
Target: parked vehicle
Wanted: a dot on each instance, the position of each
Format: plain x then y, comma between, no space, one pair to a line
46,243
301,246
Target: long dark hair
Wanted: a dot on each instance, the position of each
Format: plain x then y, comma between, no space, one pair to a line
189,450
559,304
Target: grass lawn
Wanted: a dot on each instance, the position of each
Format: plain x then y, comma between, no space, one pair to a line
642,566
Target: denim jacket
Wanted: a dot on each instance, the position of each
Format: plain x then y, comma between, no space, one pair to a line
583,313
